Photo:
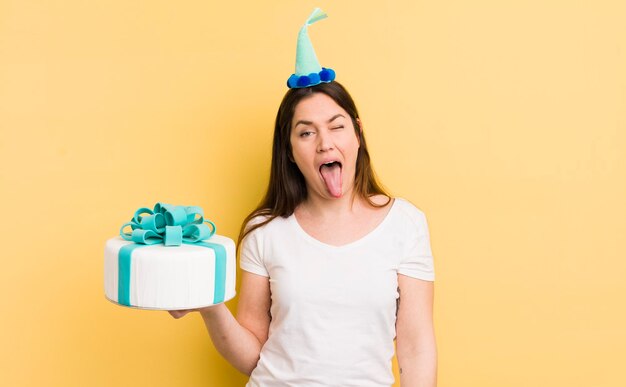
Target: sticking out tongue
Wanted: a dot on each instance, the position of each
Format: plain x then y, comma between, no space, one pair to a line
331,173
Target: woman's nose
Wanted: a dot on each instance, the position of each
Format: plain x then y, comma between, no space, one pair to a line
324,141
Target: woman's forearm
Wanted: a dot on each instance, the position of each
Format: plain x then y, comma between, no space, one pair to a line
418,369
235,343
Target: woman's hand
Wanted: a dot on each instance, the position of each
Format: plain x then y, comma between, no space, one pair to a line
183,312
180,313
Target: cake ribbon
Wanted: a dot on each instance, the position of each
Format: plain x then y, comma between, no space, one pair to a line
168,224
172,226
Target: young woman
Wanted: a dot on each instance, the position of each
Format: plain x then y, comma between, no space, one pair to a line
334,269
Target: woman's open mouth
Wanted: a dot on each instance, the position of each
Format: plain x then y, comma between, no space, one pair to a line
331,173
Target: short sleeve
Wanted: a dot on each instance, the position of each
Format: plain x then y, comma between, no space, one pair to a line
251,258
417,261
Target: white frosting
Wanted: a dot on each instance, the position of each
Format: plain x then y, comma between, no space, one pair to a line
170,278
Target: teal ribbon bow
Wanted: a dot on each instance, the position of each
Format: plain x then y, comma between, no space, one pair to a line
172,226
168,224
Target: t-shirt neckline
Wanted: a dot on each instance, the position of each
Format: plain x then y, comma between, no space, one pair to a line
354,243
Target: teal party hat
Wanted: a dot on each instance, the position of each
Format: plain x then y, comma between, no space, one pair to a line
308,69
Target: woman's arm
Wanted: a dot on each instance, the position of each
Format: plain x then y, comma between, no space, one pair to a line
240,340
415,335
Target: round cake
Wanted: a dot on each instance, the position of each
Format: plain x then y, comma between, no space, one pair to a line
190,268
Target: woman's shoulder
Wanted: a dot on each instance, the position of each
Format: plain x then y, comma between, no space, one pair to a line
257,219
409,209
380,200
262,223
402,204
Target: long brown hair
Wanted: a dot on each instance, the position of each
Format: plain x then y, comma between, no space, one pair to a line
287,188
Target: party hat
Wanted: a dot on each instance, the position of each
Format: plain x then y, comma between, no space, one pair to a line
308,69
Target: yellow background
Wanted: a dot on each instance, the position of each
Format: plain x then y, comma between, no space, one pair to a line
504,121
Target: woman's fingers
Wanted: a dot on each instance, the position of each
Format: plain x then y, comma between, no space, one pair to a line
179,313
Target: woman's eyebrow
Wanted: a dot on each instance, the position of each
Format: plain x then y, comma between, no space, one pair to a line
304,122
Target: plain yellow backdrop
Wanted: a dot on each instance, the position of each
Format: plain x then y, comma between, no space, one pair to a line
504,121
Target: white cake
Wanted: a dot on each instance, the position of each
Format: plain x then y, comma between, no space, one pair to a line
170,277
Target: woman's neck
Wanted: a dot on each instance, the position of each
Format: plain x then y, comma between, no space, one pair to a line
331,208
340,221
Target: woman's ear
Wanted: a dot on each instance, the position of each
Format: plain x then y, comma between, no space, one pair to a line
358,121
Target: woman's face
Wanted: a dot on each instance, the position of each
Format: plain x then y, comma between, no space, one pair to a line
324,146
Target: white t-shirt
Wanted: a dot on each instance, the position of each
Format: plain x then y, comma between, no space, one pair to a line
334,308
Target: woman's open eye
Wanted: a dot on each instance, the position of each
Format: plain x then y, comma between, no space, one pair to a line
306,134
